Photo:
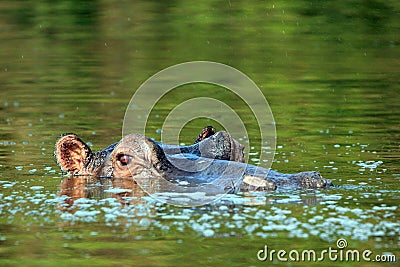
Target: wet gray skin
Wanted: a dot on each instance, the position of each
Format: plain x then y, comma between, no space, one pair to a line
215,162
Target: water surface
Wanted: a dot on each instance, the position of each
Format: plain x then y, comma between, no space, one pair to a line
328,69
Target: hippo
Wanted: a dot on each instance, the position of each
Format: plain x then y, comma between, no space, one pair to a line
214,162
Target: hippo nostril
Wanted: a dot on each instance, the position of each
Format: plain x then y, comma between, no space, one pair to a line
123,159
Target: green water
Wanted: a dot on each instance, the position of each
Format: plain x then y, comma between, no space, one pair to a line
329,70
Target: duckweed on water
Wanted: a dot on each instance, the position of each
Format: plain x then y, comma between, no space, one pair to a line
301,214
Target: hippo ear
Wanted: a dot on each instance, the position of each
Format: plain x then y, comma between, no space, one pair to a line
71,153
205,133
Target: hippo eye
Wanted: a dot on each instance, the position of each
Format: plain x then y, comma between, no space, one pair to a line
124,159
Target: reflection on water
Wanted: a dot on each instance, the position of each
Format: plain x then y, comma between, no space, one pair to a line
128,192
77,187
329,70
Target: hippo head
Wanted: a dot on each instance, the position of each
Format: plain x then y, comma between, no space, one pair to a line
134,153
209,163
